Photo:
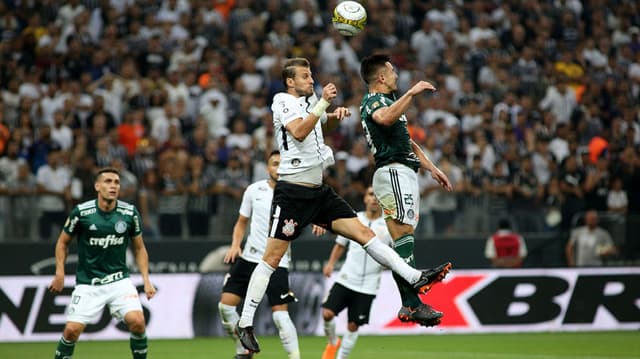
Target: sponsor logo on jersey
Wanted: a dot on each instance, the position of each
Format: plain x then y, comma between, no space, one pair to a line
109,278
289,227
295,162
87,212
125,212
120,227
93,227
104,242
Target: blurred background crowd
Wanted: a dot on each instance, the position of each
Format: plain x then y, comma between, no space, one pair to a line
536,118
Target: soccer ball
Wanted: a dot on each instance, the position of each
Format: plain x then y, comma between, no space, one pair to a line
349,18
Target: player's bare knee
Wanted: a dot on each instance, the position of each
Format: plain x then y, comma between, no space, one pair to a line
272,260
353,327
136,324
363,235
71,333
137,327
327,314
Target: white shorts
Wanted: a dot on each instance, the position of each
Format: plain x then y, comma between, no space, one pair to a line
88,301
396,187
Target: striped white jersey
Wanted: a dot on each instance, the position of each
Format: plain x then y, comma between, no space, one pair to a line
360,272
256,205
299,156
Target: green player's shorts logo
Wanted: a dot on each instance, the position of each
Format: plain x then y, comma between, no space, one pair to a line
121,227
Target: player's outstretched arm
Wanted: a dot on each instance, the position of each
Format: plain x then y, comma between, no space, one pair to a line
62,248
338,114
142,260
388,115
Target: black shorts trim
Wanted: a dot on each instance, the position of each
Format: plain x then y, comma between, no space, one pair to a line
358,304
295,206
237,282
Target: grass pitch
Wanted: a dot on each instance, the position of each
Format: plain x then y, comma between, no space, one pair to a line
592,345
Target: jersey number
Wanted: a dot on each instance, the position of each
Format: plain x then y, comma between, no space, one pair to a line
367,135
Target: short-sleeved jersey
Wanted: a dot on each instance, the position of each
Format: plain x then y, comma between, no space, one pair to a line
298,156
387,143
360,272
103,238
256,205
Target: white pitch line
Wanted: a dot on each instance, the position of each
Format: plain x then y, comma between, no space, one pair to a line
481,355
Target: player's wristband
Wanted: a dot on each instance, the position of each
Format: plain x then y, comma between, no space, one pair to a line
320,107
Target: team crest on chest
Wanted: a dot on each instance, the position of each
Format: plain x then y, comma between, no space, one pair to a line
121,227
289,227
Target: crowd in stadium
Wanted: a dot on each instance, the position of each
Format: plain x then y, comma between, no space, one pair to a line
536,117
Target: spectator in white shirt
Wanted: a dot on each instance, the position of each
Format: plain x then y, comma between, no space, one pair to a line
617,201
68,12
560,100
334,48
174,87
50,102
213,109
358,158
482,30
54,188
239,138
61,132
428,43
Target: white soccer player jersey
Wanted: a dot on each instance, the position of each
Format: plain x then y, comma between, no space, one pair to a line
298,156
256,204
360,272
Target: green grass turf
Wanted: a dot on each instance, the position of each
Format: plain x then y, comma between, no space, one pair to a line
596,345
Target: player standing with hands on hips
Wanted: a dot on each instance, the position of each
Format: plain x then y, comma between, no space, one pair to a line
104,228
395,181
300,197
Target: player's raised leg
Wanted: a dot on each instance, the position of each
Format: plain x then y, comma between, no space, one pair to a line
353,229
396,188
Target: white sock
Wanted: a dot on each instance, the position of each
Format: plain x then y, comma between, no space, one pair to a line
288,333
229,317
348,342
330,331
255,292
386,256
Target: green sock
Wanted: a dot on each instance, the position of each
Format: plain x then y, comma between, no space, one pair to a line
404,247
64,349
138,344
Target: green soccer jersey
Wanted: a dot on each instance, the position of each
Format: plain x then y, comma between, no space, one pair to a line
103,238
387,143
